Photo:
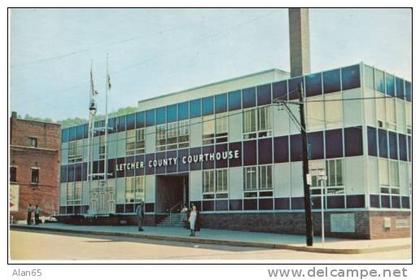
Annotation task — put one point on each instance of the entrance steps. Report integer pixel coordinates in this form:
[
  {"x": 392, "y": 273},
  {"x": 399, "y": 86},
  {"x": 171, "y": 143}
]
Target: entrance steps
[{"x": 172, "y": 221}]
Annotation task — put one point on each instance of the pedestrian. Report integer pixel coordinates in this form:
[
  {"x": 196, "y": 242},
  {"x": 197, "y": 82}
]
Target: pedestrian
[
  {"x": 29, "y": 217},
  {"x": 37, "y": 212},
  {"x": 194, "y": 221},
  {"x": 140, "y": 215},
  {"x": 184, "y": 216}
]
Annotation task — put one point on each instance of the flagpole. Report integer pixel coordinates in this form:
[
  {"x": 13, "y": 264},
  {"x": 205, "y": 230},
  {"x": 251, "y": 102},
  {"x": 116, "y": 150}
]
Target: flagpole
[{"x": 107, "y": 87}]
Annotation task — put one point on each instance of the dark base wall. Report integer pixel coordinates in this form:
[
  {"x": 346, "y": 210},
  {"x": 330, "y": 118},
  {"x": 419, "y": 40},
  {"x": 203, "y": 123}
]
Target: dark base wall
[{"x": 367, "y": 224}]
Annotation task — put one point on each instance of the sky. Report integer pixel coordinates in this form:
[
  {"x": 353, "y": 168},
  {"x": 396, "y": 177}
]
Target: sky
[{"x": 158, "y": 51}]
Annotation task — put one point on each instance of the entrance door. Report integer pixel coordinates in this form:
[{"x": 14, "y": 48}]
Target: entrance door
[
  {"x": 102, "y": 200},
  {"x": 171, "y": 192}
]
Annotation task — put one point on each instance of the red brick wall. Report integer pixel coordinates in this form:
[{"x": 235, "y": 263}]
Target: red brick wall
[
  {"x": 377, "y": 230},
  {"x": 45, "y": 193}
]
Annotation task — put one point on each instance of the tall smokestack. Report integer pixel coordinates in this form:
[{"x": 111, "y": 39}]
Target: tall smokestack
[{"x": 300, "y": 59}]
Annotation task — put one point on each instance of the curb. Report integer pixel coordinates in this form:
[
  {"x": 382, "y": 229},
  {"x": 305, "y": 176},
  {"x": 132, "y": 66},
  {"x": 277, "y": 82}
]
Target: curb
[{"x": 217, "y": 241}]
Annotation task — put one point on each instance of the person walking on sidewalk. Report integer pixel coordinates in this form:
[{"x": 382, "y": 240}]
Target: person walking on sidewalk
[
  {"x": 140, "y": 215},
  {"x": 194, "y": 221},
  {"x": 29, "y": 216},
  {"x": 184, "y": 216},
  {"x": 37, "y": 212}
]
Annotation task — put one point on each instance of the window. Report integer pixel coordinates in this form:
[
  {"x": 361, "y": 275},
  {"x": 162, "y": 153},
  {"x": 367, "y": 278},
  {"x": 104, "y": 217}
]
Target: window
[
  {"x": 208, "y": 184},
  {"x": 295, "y": 87},
  {"x": 34, "y": 176},
  {"x": 264, "y": 95},
  {"x": 135, "y": 142},
  {"x": 390, "y": 85},
  {"x": 195, "y": 108},
  {"x": 131, "y": 121},
  {"x": 379, "y": 81},
  {"x": 150, "y": 118},
  {"x": 171, "y": 113},
  {"x": 280, "y": 90},
  {"x": 353, "y": 141},
  {"x": 161, "y": 115},
  {"x": 263, "y": 187},
  {"x": 334, "y": 170},
  {"x": 221, "y": 103},
  {"x": 408, "y": 90},
  {"x": 171, "y": 136},
  {"x": 399, "y": 84},
  {"x": 101, "y": 147},
  {"x": 33, "y": 142},
  {"x": 215, "y": 184},
  {"x": 161, "y": 137},
  {"x": 183, "y": 113},
  {"x": 257, "y": 120},
  {"x": 221, "y": 127},
  {"x": 248, "y": 97},
  {"x": 75, "y": 153},
  {"x": 208, "y": 105},
  {"x": 368, "y": 75},
  {"x": 183, "y": 134},
  {"x": 13, "y": 174},
  {"x": 389, "y": 176},
  {"x": 77, "y": 198},
  {"x": 208, "y": 129},
  {"x": 372, "y": 141},
  {"x": 221, "y": 181},
  {"x": 134, "y": 189},
  {"x": 70, "y": 193}
]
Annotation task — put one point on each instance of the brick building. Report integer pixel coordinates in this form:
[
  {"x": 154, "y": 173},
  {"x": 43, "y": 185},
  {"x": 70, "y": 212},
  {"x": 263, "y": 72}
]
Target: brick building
[{"x": 34, "y": 163}]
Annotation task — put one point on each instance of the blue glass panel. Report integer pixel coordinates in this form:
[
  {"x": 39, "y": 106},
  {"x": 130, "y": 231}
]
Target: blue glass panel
[
  {"x": 379, "y": 81},
  {"x": 171, "y": 112},
  {"x": 183, "y": 112},
  {"x": 78, "y": 172},
  {"x": 298, "y": 203},
  {"x": 234, "y": 100},
  {"x": 150, "y": 117},
  {"x": 121, "y": 171},
  {"x": 131, "y": 121},
  {"x": 85, "y": 130},
  {"x": 281, "y": 149},
  {"x": 140, "y": 171},
  {"x": 208, "y": 205},
  {"x": 355, "y": 201},
  {"x": 235, "y": 204},
  {"x": 399, "y": 83},
  {"x": 111, "y": 125},
  {"x": 248, "y": 97},
  {"x": 280, "y": 90},
  {"x": 402, "y": 145},
  {"x": 222, "y": 205},
  {"x": 111, "y": 168},
  {"x": 385, "y": 203},
  {"x": 374, "y": 201},
  {"x": 250, "y": 204},
  {"x": 383, "y": 143},
  {"x": 351, "y": 77},
  {"x": 335, "y": 201},
  {"x": 80, "y": 131},
  {"x": 408, "y": 92},
  {"x": 393, "y": 151},
  {"x": 195, "y": 108},
  {"x": 64, "y": 135},
  {"x": 72, "y": 133},
  {"x": 264, "y": 94},
  {"x": 265, "y": 204},
  {"x": 294, "y": 87},
  {"x": 395, "y": 201},
  {"x": 250, "y": 152},
  {"x": 84, "y": 172},
  {"x": 70, "y": 173},
  {"x": 390, "y": 85},
  {"x": 195, "y": 163},
  {"x": 265, "y": 151},
  {"x": 353, "y": 141},
  {"x": 171, "y": 167},
  {"x": 122, "y": 124},
  {"x": 316, "y": 145},
  {"x": 160, "y": 168},
  {"x": 313, "y": 84},
  {"x": 182, "y": 167},
  {"x": 331, "y": 81},
  {"x": 334, "y": 143},
  {"x": 149, "y": 168},
  {"x": 296, "y": 147},
  {"x": 221, "y": 103},
  {"x": 208, "y": 105},
  {"x": 372, "y": 142},
  {"x": 140, "y": 119},
  {"x": 161, "y": 115}
]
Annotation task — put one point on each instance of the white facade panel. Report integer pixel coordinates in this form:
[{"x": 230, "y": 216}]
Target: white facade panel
[
  {"x": 195, "y": 185},
  {"x": 63, "y": 194},
  {"x": 112, "y": 146},
  {"x": 196, "y": 132},
  {"x": 235, "y": 126},
  {"x": 352, "y": 109},
  {"x": 281, "y": 179},
  {"x": 64, "y": 153},
  {"x": 150, "y": 139},
  {"x": 353, "y": 175},
  {"x": 236, "y": 185},
  {"x": 296, "y": 182},
  {"x": 150, "y": 195},
  {"x": 372, "y": 175},
  {"x": 403, "y": 176},
  {"x": 370, "y": 107},
  {"x": 281, "y": 123},
  {"x": 120, "y": 190}
]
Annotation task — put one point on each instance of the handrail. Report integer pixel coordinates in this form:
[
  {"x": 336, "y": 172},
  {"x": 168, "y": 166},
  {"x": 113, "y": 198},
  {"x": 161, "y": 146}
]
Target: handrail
[{"x": 171, "y": 210}]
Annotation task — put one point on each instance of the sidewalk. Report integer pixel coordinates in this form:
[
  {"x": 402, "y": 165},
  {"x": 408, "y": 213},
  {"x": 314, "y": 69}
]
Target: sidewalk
[{"x": 231, "y": 238}]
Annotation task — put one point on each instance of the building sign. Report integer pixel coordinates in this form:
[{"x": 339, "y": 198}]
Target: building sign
[
  {"x": 342, "y": 222},
  {"x": 14, "y": 198},
  {"x": 186, "y": 159}
]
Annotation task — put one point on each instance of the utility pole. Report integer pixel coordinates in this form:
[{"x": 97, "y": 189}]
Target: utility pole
[{"x": 305, "y": 169}]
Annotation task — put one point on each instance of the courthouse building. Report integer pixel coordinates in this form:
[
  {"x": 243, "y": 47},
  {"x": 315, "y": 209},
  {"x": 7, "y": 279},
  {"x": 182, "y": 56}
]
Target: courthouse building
[{"x": 232, "y": 149}]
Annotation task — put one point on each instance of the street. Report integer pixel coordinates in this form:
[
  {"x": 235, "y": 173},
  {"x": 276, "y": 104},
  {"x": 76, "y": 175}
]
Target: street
[{"x": 26, "y": 245}]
